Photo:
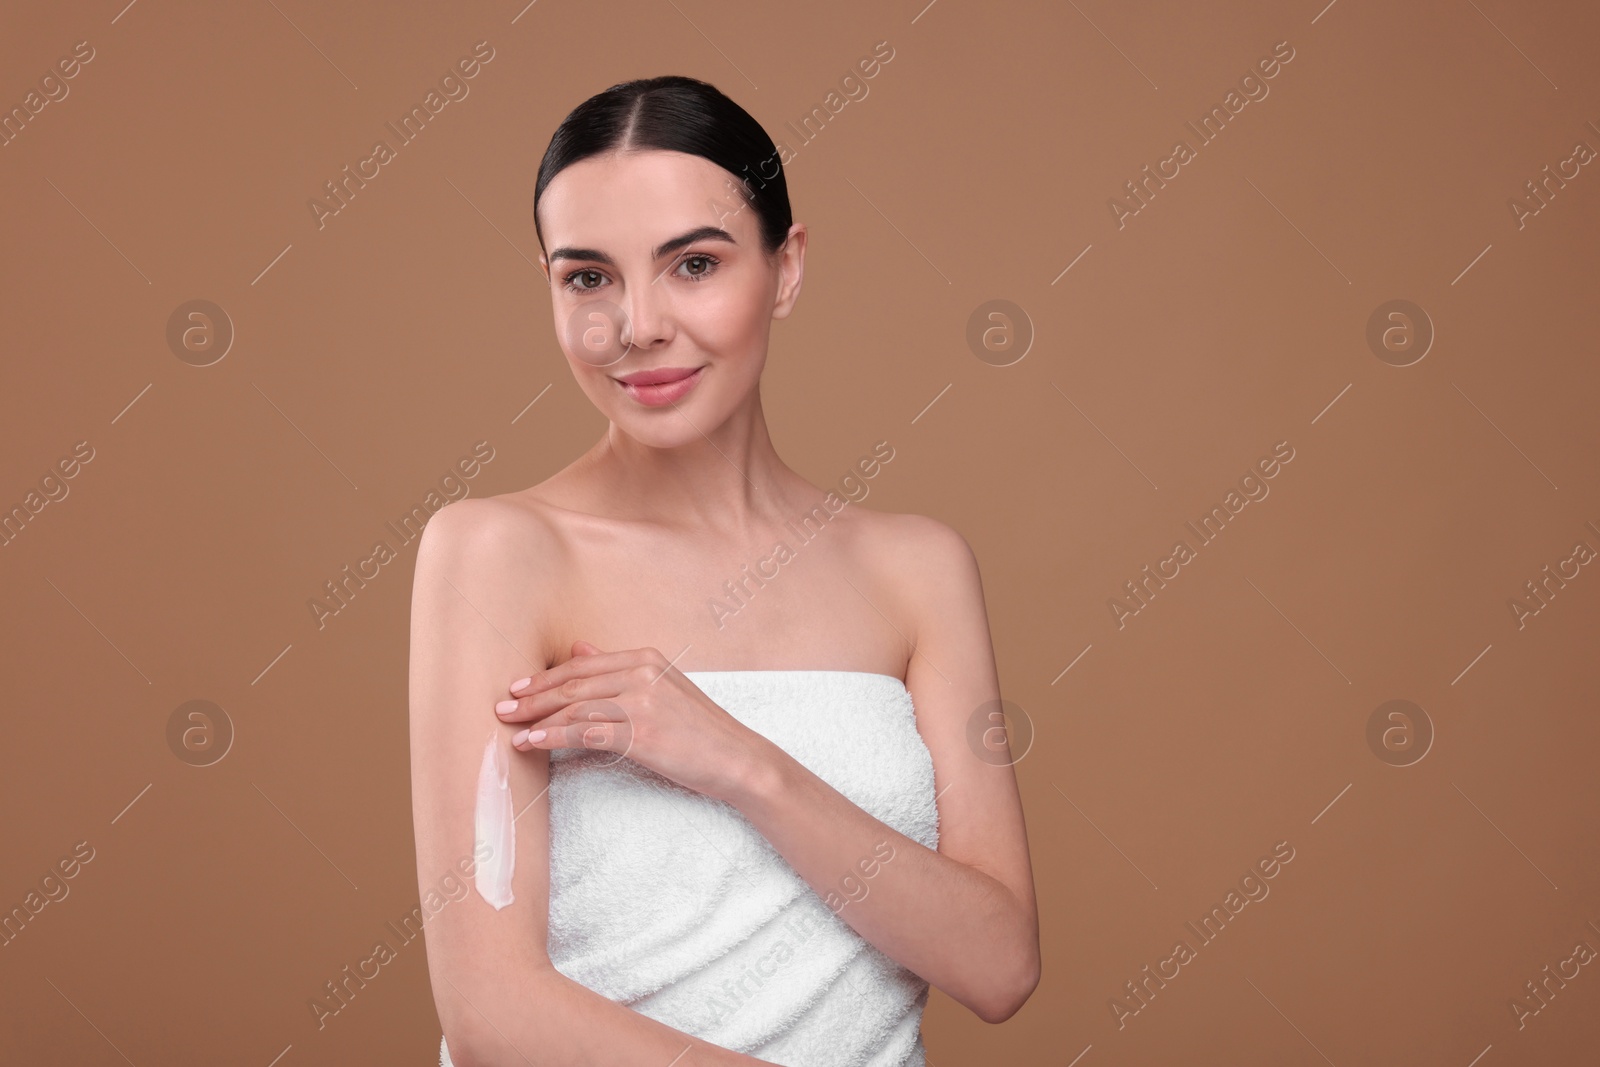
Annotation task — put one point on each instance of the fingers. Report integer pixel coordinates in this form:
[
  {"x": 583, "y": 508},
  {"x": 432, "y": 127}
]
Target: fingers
[
  {"x": 578, "y": 712},
  {"x": 545, "y": 702},
  {"x": 609, "y": 736},
  {"x": 588, "y": 665}
]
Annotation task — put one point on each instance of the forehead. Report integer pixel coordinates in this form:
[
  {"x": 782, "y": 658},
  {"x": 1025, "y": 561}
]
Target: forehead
[{"x": 634, "y": 200}]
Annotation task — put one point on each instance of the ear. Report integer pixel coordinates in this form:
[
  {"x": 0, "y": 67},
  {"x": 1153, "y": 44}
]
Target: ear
[
  {"x": 791, "y": 270},
  {"x": 544, "y": 267}
]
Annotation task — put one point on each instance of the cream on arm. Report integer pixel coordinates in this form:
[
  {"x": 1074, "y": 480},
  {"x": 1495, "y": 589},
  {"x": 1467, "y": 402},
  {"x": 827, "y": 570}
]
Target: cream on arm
[{"x": 474, "y": 629}]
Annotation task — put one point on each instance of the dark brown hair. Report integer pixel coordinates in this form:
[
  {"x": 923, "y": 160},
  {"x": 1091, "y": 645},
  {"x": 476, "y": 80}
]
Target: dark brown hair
[{"x": 676, "y": 114}]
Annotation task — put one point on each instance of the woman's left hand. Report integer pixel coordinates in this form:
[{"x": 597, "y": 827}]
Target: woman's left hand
[{"x": 636, "y": 704}]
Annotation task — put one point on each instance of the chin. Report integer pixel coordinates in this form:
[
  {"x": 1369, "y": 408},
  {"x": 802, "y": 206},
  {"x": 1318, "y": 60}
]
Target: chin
[
  {"x": 666, "y": 431},
  {"x": 663, "y": 439}
]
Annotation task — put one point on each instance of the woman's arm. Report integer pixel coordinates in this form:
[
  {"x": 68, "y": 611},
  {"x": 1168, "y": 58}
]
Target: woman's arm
[
  {"x": 499, "y": 999},
  {"x": 964, "y": 917}
]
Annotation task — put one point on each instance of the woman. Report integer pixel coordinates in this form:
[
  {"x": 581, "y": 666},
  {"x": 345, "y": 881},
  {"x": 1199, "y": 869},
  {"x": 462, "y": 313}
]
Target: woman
[{"x": 749, "y": 824}]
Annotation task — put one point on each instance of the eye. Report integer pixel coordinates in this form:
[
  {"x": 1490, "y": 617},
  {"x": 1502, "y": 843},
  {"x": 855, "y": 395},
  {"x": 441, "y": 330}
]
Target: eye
[
  {"x": 701, "y": 265},
  {"x": 585, "y": 275}
]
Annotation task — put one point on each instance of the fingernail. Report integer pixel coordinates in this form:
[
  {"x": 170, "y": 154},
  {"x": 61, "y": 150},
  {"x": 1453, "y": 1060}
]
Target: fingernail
[
  {"x": 506, "y": 706},
  {"x": 519, "y": 684},
  {"x": 536, "y": 735},
  {"x": 519, "y": 737}
]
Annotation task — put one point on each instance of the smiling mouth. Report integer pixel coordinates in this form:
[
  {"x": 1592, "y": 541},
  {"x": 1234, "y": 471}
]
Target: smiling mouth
[
  {"x": 658, "y": 388},
  {"x": 658, "y": 376}
]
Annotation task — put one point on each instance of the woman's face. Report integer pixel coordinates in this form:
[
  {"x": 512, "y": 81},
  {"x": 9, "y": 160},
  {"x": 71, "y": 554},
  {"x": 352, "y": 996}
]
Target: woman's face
[{"x": 656, "y": 267}]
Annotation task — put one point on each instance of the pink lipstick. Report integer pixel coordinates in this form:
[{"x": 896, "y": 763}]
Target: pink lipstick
[{"x": 662, "y": 386}]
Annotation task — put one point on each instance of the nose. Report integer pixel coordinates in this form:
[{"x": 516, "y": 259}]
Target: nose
[{"x": 647, "y": 316}]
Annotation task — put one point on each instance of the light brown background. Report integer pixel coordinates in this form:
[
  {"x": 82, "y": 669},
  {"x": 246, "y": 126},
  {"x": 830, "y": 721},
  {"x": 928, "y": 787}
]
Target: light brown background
[{"x": 1229, "y": 315}]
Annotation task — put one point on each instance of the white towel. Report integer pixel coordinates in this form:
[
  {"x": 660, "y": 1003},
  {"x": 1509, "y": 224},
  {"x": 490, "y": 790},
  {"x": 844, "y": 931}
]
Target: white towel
[{"x": 674, "y": 904}]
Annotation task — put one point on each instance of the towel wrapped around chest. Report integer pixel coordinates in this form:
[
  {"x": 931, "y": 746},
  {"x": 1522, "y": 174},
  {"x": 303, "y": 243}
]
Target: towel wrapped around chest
[{"x": 673, "y": 904}]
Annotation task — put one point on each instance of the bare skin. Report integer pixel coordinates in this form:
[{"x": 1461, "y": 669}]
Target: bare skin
[{"x": 592, "y": 589}]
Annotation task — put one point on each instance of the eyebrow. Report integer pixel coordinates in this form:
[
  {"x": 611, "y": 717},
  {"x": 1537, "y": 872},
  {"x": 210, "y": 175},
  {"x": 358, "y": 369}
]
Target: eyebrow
[{"x": 703, "y": 233}]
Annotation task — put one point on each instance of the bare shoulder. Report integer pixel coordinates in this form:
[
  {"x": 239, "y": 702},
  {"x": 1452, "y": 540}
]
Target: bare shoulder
[
  {"x": 915, "y": 547},
  {"x": 926, "y": 568},
  {"x": 493, "y": 558},
  {"x": 494, "y": 531}
]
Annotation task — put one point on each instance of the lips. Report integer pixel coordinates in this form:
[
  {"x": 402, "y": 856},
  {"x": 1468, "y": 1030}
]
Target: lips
[
  {"x": 662, "y": 386},
  {"x": 659, "y": 376}
]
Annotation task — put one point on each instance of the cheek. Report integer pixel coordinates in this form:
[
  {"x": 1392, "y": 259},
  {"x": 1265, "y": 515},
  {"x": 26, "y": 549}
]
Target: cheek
[
  {"x": 734, "y": 324},
  {"x": 596, "y": 385},
  {"x": 589, "y": 331}
]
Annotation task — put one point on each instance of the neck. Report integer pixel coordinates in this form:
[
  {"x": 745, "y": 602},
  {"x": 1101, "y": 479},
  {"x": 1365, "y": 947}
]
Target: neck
[{"x": 726, "y": 478}]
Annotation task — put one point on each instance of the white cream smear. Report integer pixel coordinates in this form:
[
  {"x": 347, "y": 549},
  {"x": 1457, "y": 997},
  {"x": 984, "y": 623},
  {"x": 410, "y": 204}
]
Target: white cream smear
[{"x": 494, "y": 826}]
